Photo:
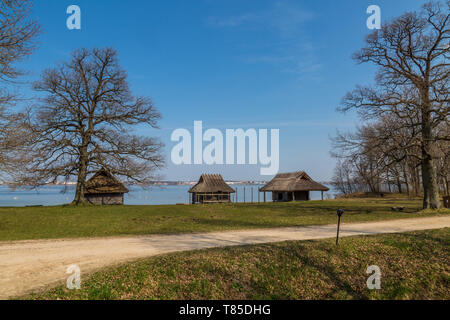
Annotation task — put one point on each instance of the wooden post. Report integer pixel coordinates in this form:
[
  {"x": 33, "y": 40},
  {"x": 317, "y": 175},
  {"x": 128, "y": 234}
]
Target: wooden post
[
  {"x": 338, "y": 227},
  {"x": 322, "y": 195},
  {"x": 259, "y": 194},
  {"x": 244, "y": 194},
  {"x": 293, "y": 196},
  {"x": 264, "y": 197}
]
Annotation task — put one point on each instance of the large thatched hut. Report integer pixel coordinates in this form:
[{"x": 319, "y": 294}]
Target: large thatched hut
[
  {"x": 211, "y": 188},
  {"x": 294, "y": 186},
  {"x": 104, "y": 189}
]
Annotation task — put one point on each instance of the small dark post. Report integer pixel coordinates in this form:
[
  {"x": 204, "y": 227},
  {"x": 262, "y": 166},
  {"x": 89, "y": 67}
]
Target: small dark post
[
  {"x": 252, "y": 194},
  {"x": 340, "y": 212},
  {"x": 447, "y": 202}
]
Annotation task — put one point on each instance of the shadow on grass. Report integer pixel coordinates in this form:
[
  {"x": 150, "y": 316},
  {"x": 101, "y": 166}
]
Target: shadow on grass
[{"x": 329, "y": 271}]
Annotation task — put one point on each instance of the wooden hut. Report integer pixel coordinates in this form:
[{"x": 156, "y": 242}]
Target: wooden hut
[
  {"x": 104, "y": 189},
  {"x": 294, "y": 186},
  {"x": 211, "y": 188}
]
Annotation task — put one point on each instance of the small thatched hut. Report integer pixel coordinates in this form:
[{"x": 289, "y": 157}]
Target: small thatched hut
[
  {"x": 104, "y": 189},
  {"x": 294, "y": 186},
  {"x": 211, "y": 188}
]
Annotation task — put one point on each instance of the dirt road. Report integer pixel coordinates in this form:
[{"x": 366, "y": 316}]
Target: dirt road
[{"x": 32, "y": 265}]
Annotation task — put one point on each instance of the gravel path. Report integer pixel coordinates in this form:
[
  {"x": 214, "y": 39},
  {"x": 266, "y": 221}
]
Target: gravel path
[{"x": 32, "y": 265}]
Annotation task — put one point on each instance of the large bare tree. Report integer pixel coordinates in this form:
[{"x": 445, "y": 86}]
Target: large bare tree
[
  {"x": 17, "y": 40},
  {"x": 84, "y": 122},
  {"x": 412, "y": 56}
]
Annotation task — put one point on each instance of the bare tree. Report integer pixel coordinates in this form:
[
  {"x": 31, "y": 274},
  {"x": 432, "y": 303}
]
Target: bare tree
[
  {"x": 343, "y": 179},
  {"x": 412, "y": 54},
  {"x": 17, "y": 41},
  {"x": 85, "y": 123},
  {"x": 384, "y": 154}
]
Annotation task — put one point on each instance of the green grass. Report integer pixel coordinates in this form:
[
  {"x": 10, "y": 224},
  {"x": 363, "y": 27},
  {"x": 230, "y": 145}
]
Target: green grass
[
  {"x": 91, "y": 221},
  {"x": 413, "y": 266}
]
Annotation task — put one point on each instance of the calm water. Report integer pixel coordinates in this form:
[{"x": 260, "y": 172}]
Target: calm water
[{"x": 52, "y": 195}]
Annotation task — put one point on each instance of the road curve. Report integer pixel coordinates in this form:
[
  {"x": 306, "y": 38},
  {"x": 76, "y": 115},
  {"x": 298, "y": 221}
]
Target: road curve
[{"x": 27, "y": 266}]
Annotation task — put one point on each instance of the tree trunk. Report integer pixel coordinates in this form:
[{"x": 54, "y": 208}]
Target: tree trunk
[
  {"x": 431, "y": 199},
  {"x": 405, "y": 175},
  {"x": 399, "y": 182},
  {"x": 388, "y": 181},
  {"x": 417, "y": 181},
  {"x": 447, "y": 186},
  {"x": 81, "y": 182},
  {"x": 414, "y": 180}
]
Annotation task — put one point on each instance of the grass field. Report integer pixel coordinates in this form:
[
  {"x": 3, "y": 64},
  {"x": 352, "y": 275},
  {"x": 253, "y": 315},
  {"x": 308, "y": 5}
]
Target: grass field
[
  {"x": 413, "y": 266},
  {"x": 90, "y": 221}
]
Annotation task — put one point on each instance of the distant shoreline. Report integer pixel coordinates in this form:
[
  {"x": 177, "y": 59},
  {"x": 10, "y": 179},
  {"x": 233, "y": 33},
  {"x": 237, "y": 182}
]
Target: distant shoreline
[
  {"x": 163, "y": 183},
  {"x": 159, "y": 183}
]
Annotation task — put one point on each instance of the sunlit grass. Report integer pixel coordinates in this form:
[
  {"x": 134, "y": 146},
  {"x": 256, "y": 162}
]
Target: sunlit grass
[{"x": 92, "y": 221}]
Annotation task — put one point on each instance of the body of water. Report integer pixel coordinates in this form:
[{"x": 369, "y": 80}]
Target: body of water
[{"x": 54, "y": 195}]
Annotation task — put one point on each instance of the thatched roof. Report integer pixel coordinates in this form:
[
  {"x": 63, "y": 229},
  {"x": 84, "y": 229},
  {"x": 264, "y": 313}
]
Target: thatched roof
[
  {"x": 211, "y": 183},
  {"x": 294, "y": 181},
  {"x": 104, "y": 182}
]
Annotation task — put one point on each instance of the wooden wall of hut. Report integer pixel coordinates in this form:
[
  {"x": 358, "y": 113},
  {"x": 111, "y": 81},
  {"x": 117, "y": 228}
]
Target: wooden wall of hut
[{"x": 105, "y": 199}]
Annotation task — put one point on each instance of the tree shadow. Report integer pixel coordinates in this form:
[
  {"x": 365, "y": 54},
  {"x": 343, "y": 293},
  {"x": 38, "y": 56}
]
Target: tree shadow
[{"x": 329, "y": 272}]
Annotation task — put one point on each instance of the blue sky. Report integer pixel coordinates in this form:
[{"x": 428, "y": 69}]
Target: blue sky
[{"x": 232, "y": 64}]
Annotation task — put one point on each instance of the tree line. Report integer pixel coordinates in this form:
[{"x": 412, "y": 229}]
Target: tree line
[{"x": 404, "y": 143}]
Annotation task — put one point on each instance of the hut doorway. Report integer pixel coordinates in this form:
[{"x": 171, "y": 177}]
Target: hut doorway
[{"x": 302, "y": 196}]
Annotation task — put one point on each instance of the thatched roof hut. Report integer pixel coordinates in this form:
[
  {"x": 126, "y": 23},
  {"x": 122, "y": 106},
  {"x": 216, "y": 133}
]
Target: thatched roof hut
[
  {"x": 104, "y": 189},
  {"x": 211, "y": 188},
  {"x": 293, "y": 186}
]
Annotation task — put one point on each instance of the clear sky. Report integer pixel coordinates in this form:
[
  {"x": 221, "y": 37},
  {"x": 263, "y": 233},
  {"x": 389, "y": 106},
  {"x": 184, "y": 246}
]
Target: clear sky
[{"x": 230, "y": 63}]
